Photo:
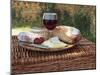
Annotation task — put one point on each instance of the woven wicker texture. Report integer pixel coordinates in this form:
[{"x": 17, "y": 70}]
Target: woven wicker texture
[{"x": 82, "y": 56}]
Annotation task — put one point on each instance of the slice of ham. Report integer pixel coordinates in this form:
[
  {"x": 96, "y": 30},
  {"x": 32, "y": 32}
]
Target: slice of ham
[{"x": 30, "y": 37}]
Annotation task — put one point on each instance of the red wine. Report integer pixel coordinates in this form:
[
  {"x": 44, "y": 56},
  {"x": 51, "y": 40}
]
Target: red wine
[{"x": 50, "y": 24}]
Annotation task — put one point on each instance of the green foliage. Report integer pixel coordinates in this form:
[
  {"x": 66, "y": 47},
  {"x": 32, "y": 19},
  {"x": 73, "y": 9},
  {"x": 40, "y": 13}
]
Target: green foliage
[
  {"x": 66, "y": 19},
  {"x": 13, "y": 13},
  {"x": 82, "y": 22},
  {"x": 37, "y": 22},
  {"x": 51, "y": 7}
]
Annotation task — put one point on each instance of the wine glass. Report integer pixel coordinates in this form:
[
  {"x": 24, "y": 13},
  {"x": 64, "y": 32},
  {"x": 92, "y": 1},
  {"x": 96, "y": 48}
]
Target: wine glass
[{"x": 50, "y": 22}]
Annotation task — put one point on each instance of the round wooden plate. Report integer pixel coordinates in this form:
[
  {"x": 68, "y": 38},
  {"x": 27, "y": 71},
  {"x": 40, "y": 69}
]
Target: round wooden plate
[{"x": 35, "y": 47}]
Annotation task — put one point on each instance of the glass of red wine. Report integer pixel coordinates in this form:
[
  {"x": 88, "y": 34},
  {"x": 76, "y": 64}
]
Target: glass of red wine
[{"x": 50, "y": 21}]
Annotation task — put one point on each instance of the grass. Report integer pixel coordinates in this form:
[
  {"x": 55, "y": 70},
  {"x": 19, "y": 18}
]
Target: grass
[
  {"x": 16, "y": 31},
  {"x": 89, "y": 36}
]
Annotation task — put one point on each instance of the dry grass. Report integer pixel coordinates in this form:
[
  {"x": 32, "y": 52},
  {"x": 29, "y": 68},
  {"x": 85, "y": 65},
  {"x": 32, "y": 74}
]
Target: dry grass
[{"x": 16, "y": 31}]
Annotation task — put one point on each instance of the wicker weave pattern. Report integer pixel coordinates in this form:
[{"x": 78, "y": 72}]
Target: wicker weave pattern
[{"x": 81, "y": 56}]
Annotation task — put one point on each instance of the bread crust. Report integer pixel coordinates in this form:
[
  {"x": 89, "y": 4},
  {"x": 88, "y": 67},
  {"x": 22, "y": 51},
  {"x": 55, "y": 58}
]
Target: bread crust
[{"x": 65, "y": 34}]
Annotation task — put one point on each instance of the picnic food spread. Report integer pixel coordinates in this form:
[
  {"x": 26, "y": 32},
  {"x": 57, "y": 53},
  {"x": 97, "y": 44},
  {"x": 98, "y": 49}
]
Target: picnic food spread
[{"x": 61, "y": 37}]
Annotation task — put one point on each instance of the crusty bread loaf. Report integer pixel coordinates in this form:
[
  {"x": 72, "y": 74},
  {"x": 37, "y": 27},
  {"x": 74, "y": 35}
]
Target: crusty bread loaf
[{"x": 67, "y": 34}]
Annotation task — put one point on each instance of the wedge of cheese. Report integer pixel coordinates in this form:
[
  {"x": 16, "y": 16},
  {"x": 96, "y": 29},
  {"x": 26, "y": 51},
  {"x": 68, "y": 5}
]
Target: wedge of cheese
[{"x": 54, "y": 42}]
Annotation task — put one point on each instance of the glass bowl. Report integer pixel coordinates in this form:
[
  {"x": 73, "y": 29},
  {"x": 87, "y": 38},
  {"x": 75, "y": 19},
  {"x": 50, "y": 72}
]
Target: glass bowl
[{"x": 40, "y": 31}]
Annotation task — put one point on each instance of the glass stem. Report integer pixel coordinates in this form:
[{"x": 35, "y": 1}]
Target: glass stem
[{"x": 50, "y": 33}]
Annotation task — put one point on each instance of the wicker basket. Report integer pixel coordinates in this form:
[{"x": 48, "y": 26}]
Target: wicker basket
[{"x": 82, "y": 56}]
